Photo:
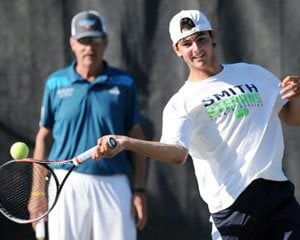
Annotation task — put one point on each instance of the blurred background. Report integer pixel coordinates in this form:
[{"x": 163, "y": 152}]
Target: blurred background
[{"x": 34, "y": 42}]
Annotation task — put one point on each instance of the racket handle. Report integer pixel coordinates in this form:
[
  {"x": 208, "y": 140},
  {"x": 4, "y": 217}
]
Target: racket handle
[
  {"x": 112, "y": 143},
  {"x": 83, "y": 156},
  {"x": 40, "y": 233}
]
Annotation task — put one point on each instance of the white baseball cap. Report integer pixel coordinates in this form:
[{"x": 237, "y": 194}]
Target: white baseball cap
[{"x": 198, "y": 18}]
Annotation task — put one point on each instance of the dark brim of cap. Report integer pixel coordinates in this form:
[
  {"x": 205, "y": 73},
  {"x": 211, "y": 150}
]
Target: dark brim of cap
[{"x": 89, "y": 34}]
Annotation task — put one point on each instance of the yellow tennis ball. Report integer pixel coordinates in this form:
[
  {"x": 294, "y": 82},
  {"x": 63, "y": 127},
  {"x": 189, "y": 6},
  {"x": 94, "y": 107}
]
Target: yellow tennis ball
[{"x": 19, "y": 150}]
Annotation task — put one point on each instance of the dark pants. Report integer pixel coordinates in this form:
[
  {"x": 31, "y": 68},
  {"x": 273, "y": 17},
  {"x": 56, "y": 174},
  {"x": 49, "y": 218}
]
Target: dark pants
[{"x": 265, "y": 210}]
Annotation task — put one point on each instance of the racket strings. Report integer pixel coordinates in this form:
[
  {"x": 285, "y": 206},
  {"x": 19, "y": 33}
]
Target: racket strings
[
  {"x": 22, "y": 189},
  {"x": 14, "y": 189}
]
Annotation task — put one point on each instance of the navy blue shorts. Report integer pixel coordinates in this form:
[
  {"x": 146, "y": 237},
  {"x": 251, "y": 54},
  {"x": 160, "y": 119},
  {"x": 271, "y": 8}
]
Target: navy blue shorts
[{"x": 266, "y": 210}]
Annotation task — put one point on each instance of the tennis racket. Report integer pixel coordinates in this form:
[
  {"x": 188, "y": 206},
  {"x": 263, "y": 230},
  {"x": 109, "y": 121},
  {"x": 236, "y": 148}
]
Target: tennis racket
[{"x": 29, "y": 188}]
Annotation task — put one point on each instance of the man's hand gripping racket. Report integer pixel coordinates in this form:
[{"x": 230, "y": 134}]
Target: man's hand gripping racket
[{"x": 29, "y": 189}]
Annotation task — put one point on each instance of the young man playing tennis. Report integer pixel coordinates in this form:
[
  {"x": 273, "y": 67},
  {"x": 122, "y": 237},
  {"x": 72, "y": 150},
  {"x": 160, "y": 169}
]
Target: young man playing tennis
[{"x": 227, "y": 117}]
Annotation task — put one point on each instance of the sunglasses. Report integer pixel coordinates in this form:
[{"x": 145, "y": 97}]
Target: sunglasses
[{"x": 90, "y": 40}]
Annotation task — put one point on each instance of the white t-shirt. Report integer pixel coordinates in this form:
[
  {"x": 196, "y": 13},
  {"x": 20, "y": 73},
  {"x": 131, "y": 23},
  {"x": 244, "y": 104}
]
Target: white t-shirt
[{"x": 229, "y": 123}]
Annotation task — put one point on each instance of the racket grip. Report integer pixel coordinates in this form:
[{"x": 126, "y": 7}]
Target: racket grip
[
  {"x": 40, "y": 233},
  {"x": 112, "y": 143},
  {"x": 83, "y": 156}
]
